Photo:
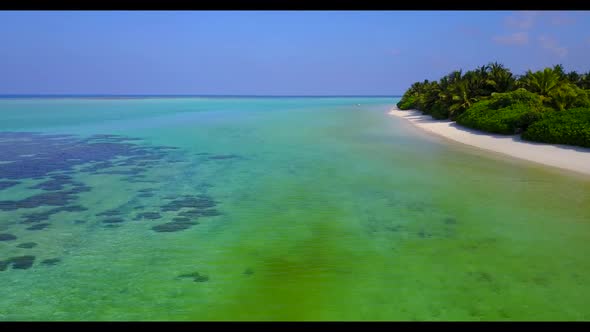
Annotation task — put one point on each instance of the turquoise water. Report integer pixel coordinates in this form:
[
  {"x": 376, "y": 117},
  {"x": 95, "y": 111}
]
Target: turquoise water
[{"x": 276, "y": 209}]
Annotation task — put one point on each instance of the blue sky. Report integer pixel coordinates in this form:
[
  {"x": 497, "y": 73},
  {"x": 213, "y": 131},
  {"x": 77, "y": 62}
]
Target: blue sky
[{"x": 274, "y": 52}]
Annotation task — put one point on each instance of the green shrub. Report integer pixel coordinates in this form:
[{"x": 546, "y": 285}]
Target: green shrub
[
  {"x": 520, "y": 96},
  {"x": 439, "y": 111},
  {"x": 568, "y": 96},
  {"x": 504, "y": 113},
  {"x": 567, "y": 127},
  {"x": 407, "y": 102}
]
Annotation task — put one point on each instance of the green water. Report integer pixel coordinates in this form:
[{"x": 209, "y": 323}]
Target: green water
[{"x": 332, "y": 211}]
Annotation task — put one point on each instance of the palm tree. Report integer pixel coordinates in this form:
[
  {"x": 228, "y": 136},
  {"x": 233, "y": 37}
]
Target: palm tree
[
  {"x": 567, "y": 96},
  {"x": 558, "y": 69},
  {"x": 464, "y": 94},
  {"x": 482, "y": 71},
  {"x": 443, "y": 84},
  {"x": 478, "y": 82},
  {"x": 455, "y": 76},
  {"x": 500, "y": 78},
  {"x": 456, "y": 92},
  {"x": 543, "y": 82},
  {"x": 429, "y": 96},
  {"x": 584, "y": 82},
  {"x": 574, "y": 77}
]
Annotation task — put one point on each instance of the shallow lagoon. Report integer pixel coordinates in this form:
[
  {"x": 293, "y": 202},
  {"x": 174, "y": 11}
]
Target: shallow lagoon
[{"x": 276, "y": 209}]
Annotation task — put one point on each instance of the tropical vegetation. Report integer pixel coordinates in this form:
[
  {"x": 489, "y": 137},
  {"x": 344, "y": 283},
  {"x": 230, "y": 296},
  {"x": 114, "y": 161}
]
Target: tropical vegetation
[{"x": 548, "y": 105}]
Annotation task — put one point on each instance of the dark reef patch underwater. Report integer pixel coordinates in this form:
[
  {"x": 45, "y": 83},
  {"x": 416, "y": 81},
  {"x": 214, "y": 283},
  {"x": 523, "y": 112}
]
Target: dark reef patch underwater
[{"x": 47, "y": 168}]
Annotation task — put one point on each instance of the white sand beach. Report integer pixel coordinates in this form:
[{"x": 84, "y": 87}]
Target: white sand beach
[{"x": 562, "y": 156}]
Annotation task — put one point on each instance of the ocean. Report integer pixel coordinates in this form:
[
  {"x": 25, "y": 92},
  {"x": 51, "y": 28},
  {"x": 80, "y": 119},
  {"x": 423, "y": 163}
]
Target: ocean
[{"x": 275, "y": 208}]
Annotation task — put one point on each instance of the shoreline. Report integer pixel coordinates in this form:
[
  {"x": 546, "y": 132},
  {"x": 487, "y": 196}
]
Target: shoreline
[{"x": 565, "y": 157}]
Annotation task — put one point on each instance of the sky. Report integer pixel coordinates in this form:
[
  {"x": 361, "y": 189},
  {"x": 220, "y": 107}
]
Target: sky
[{"x": 275, "y": 52}]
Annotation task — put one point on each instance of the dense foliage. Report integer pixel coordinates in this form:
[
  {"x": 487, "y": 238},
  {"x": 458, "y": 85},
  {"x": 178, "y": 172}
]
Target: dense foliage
[
  {"x": 504, "y": 113},
  {"x": 570, "y": 127},
  {"x": 492, "y": 98}
]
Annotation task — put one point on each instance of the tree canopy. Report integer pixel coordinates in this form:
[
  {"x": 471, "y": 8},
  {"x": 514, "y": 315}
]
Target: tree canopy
[{"x": 492, "y": 98}]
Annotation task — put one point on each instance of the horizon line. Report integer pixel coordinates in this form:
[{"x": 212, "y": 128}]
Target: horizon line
[{"x": 184, "y": 95}]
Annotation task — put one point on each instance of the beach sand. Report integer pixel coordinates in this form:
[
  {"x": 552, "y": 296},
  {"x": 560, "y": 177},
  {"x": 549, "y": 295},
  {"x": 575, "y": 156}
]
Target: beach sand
[{"x": 565, "y": 157}]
